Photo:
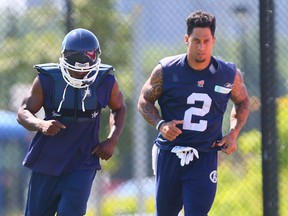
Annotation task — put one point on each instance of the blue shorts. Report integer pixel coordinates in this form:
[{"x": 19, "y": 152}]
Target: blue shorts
[
  {"x": 193, "y": 185},
  {"x": 66, "y": 194}
]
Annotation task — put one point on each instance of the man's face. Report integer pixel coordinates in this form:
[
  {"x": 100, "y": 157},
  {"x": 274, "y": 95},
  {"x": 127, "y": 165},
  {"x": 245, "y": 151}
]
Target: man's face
[
  {"x": 77, "y": 75},
  {"x": 199, "y": 45}
]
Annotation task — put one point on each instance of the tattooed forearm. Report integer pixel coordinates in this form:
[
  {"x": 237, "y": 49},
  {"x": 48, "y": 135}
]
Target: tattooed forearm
[
  {"x": 241, "y": 115},
  {"x": 150, "y": 93},
  {"x": 153, "y": 89},
  {"x": 240, "y": 98},
  {"x": 150, "y": 113}
]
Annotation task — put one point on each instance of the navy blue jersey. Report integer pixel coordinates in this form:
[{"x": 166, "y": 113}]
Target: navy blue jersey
[
  {"x": 71, "y": 148},
  {"x": 198, "y": 97}
]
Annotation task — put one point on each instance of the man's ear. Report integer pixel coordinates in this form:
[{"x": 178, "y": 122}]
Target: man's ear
[
  {"x": 214, "y": 39},
  {"x": 186, "y": 38}
]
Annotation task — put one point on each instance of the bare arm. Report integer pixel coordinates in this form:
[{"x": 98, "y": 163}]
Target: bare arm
[
  {"x": 239, "y": 113},
  {"x": 150, "y": 93},
  {"x": 117, "y": 113},
  {"x": 31, "y": 104},
  {"x": 117, "y": 118}
]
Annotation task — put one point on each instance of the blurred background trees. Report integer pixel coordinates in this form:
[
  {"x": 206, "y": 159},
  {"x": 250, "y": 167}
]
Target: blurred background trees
[{"x": 134, "y": 36}]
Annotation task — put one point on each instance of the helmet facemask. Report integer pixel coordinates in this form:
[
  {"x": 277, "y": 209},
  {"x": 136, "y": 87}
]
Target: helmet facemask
[{"x": 92, "y": 72}]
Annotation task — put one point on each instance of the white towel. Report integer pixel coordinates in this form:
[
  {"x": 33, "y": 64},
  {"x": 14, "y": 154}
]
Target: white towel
[
  {"x": 186, "y": 154},
  {"x": 155, "y": 152}
]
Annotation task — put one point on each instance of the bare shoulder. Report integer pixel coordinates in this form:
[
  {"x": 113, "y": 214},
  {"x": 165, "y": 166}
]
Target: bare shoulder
[
  {"x": 238, "y": 81},
  {"x": 37, "y": 84},
  {"x": 156, "y": 75},
  {"x": 152, "y": 89},
  {"x": 117, "y": 98},
  {"x": 35, "y": 89},
  {"x": 34, "y": 99},
  {"x": 239, "y": 91},
  {"x": 116, "y": 88}
]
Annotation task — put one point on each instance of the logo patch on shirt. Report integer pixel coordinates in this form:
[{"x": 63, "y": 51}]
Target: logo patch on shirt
[
  {"x": 200, "y": 83},
  {"x": 94, "y": 114},
  {"x": 213, "y": 176},
  {"x": 228, "y": 85},
  {"x": 224, "y": 89}
]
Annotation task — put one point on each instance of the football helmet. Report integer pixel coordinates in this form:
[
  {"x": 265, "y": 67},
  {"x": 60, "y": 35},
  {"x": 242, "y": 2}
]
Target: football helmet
[{"x": 80, "y": 53}]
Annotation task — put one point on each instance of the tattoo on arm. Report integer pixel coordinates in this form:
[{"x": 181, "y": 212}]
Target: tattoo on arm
[
  {"x": 241, "y": 100},
  {"x": 242, "y": 112},
  {"x": 150, "y": 93}
]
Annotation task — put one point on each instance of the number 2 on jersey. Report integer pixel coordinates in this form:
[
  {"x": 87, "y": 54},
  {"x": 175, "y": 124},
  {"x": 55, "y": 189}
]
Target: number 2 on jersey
[{"x": 202, "y": 124}]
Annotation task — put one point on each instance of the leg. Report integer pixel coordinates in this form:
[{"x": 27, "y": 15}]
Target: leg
[
  {"x": 76, "y": 188},
  {"x": 168, "y": 185},
  {"x": 42, "y": 199},
  {"x": 199, "y": 187}
]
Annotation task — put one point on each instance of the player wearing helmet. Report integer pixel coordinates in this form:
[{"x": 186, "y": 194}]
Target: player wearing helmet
[
  {"x": 80, "y": 53},
  {"x": 64, "y": 154}
]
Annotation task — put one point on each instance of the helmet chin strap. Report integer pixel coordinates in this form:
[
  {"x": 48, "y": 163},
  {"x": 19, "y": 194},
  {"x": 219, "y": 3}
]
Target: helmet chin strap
[
  {"x": 63, "y": 98},
  {"x": 82, "y": 101}
]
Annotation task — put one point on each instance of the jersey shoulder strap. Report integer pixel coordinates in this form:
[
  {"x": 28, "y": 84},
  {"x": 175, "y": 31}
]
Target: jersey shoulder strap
[
  {"x": 54, "y": 70},
  {"x": 54, "y": 67},
  {"x": 47, "y": 68},
  {"x": 104, "y": 69}
]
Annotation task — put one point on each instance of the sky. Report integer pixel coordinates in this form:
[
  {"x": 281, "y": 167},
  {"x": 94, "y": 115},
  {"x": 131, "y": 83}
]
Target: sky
[{"x": 17, "y": 5}]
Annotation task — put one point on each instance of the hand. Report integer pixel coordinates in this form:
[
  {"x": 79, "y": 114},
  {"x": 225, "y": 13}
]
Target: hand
[
  {"x": 169, "y": 130},
  {"x": 104, "y": 150},
  {"x": 51, "y": 127},
  {"x": 228, "y": 144}
]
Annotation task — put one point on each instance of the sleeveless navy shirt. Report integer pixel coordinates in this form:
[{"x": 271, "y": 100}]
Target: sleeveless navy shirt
[
  {"x": 198, "y": 97},
  {"x": 71, "y": 148}
]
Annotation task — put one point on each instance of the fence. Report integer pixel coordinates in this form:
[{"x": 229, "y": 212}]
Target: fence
[{"x": 134, "y": 35}]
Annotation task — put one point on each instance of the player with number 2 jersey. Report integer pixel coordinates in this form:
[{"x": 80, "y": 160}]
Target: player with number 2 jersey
[{"x": 192, "y": 91}]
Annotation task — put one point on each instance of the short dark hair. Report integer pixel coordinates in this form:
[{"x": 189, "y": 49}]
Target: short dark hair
[{"x": 200, "y": 19}]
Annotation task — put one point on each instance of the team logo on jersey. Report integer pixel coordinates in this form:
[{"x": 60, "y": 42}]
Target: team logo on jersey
[
  {"x": 94, "y": 114},
  {"x": 228, "y": 85},
  {"x": 213, "y": 176},
  {"x": 200, "y": 83}
]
